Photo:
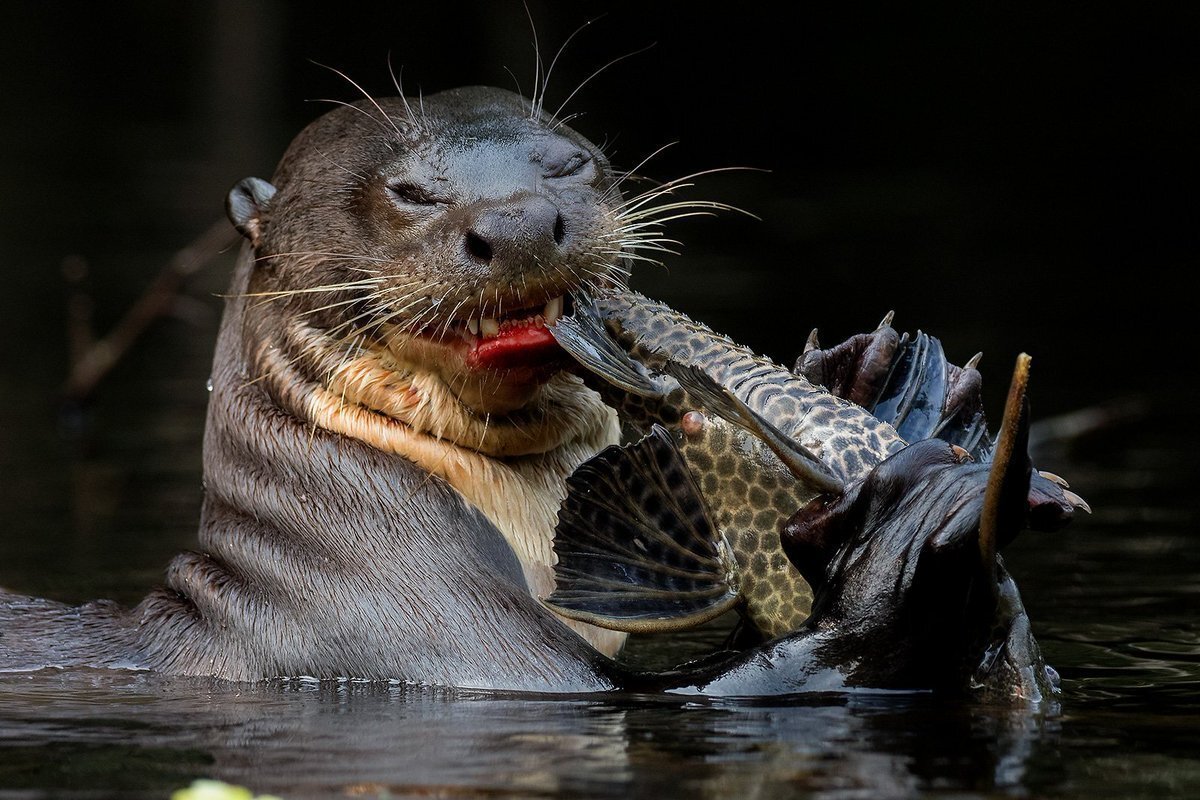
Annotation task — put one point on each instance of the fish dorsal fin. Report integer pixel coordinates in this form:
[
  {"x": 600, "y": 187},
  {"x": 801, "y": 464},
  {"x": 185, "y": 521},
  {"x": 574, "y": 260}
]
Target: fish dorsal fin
[
  {"x": 720, "y": 401},
  {"x": 585, "y": 338},
  {"x": 637, "y": 548}
]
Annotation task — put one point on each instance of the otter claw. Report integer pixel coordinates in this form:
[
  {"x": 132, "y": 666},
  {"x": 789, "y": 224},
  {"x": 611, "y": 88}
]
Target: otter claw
[
  {"x": 886, "y": 322},
  {"x": 1057, "y": 479},
  {"x": 812, "y": 343},
  {"x": 1077, "y": 501},
  {"x": 974, "y": 362}
]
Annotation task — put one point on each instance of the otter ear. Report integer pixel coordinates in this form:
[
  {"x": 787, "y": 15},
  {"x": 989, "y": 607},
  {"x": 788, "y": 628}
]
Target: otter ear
[{"x": 246, "y": 206}]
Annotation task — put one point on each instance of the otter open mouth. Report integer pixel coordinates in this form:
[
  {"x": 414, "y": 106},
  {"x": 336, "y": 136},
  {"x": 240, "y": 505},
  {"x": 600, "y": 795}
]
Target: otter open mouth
[{"x": 516, "y": 340}]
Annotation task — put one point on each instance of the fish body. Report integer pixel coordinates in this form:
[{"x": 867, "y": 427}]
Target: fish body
[
  {"x": 675, "y": 529},
  {"x": 842, "y": 434},
  {"x": 731, "y": 444},
  {"x": 911, "y": 592}
]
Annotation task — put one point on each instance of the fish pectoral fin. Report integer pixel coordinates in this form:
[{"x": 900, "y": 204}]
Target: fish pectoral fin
[
  {"x": 637, "y": 548},
  {"x": 585, "y": 339},
  {"x": 716, "y": 399}
]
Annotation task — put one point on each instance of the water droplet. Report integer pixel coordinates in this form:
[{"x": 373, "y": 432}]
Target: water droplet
[
  {"x": 208, "y": 384},
  {"x": 303, "y": 498}
]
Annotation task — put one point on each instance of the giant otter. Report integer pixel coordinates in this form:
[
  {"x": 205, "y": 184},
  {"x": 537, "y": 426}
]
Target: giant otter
[{"x": 390, "y": 428}]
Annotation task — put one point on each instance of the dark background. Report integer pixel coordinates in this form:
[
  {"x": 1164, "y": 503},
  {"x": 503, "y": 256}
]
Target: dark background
[
  {"x": 1023, "y": 174},
  {"x": 1010, "y": 177}
]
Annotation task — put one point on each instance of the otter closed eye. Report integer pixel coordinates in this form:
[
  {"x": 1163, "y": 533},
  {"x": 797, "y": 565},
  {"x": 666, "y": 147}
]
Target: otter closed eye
[
  {"x": 572, "y": 167},
  {"x": 410, "y": 194}
]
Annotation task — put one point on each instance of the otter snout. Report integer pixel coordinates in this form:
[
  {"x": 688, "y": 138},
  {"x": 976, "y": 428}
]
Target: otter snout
[{"x": 523, "y": 227}]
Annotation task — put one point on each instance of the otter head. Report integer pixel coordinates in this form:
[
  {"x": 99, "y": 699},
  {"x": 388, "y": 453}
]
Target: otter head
[{"x": 412, "y": 253}]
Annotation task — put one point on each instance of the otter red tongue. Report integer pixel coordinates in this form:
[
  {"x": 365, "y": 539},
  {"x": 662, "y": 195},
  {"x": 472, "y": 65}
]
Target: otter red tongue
[{"x": 515, "y": 347}]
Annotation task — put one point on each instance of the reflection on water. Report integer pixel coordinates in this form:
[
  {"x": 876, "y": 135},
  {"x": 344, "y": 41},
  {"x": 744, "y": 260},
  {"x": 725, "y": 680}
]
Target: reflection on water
[{"x": 142, "y": 732}]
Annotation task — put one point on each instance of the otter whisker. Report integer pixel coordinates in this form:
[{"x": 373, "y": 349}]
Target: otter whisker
[
  {"x": 630, "y": 250},
  {"x": 357, "y": 176},
  {"x": 660, "y": 244},
  {"x": 644, "y": 209},
  {"x": 359, "y": 109},
  {"x": 644, "y": 259},
  {"x": 570, "y": 117},
  {"x": 608, "y": 272},
  {"x": 646, "y": 215},
  {"x": 328, "y": 287},
  {"x": 328, "y": 306},
  {"x": 588, "y": 79},
  {"x": 535, "y": 109},
  {"x": 269, "y": 298},
  {"x": 334, "y": 304},
  {"x": 653, "y": 236},
  {"x": 373, "y": 101},
  {"x": 516, "y": 81},
  {"x": 451, "y": 317},
  {"x": 631, "y": 174},
  {"x": 375, "y": 310},
  {"x": 625, "y": 208},
  {"x": 397, "y": 81},
  {"x": 487, "y": 421},
  {"x": 304, "y": 253},
  {"x": 550, "y": 71},
  {"x": 693, "y": 175},
  {"x": 650, "y": 233}
]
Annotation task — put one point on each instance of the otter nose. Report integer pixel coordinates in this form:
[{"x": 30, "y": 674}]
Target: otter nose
[{"x": 521, "y": 226}]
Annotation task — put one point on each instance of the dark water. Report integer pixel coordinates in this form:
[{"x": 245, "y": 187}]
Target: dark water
[{"x": 1002, "y": 178}]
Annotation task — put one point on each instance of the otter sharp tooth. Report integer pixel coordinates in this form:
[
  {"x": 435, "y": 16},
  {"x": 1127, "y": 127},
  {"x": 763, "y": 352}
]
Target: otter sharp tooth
[
  {"x": 473, "y": 326},
  {"x": 553, "y": 310},
  {"x": 489, "y": 327}
]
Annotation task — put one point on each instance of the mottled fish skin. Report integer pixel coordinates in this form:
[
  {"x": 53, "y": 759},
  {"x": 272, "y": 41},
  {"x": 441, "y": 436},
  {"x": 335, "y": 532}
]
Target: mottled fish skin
[
  {"x": 749, "y": 491},
  {"x": 750, "y": 494},
  {"x": 844, "y": 436}
]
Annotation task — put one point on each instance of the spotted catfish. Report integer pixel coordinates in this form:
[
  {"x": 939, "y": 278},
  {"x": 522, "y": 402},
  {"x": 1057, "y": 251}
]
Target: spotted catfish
[{"x": 683, "y": 523}]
